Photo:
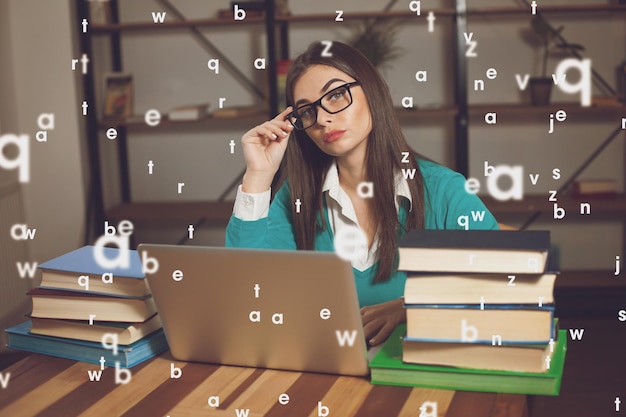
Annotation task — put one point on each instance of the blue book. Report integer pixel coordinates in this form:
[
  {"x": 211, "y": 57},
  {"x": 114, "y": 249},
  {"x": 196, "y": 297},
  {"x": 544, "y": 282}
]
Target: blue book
[
  {"x": 487, "y": 324},
  {"x": 80, "y": 270},
  {"x": 128, "y": 356}
]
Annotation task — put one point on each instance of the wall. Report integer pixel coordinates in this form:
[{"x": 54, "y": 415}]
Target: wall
[
  {"x": 170, "y": 69},
  {"x": 36, "y": 48},
  {"x": 42, "y": 34}
]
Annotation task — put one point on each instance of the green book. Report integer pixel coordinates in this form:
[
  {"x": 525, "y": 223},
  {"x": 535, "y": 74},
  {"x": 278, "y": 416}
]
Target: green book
[{"x": 387, "y": 368}]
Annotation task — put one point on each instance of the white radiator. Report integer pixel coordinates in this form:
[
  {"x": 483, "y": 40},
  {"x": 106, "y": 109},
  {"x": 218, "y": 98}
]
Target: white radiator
[{"x": 13, "y": 301}]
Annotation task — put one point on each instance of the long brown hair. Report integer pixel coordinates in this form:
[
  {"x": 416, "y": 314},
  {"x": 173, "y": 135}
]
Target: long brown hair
[{"x": 305, "y": 165}]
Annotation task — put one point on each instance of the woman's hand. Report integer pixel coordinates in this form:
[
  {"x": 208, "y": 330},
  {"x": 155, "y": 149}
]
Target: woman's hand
[
  {"x": 380, "y": 320},
  {"x": 263, "y": 148}
]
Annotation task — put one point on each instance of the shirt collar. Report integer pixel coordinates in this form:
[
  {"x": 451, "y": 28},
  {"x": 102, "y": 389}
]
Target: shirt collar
[{"x": 331, "y": 185}]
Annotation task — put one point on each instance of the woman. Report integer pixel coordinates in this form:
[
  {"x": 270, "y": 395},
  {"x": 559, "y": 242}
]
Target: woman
[{"x": 347, "y": 168}]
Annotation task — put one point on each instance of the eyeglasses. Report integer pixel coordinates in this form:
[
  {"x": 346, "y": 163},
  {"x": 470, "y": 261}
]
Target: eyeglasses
[{"x": 336, "y": 100}]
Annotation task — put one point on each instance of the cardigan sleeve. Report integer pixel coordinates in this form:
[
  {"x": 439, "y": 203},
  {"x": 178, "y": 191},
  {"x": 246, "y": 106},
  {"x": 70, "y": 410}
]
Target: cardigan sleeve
[
  {"x": 448, "y": 204},
  {"x": 272, "y": 232}
]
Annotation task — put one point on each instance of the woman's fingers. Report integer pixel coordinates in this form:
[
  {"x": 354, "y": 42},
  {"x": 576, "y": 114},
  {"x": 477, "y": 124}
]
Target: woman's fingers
[
  {"x": 274, "y": 129},
  {"x": 282, "y": 115}
]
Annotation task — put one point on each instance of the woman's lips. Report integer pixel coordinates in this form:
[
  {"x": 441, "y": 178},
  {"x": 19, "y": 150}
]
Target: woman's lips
[{"x": 333, "y": 135}]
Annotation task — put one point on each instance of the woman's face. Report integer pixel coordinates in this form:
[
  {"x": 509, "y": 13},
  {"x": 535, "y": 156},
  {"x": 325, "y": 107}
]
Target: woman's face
[{"x": 343, "y": 133}]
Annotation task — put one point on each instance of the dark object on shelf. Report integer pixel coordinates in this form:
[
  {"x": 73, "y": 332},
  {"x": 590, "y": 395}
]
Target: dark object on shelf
[
  {"x": 377, "y": 42},
  {"x": 621, "y": 80},
  {"x": 247, "y": 5},
  {"x": 99, "y": 12},
  {"x": 281, "y": 8},
  {"x": 376, "y": 39},
  {"x": 540, "y": 90},
  {"x": 229, "y": 14},
  {"x": 543, "y": 37}
]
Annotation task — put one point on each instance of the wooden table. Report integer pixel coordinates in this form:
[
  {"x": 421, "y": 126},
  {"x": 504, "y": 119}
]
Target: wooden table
[{"x": 42, "y": 385}]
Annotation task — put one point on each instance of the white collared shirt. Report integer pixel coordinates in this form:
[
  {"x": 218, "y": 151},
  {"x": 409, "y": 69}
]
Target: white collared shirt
[{"x": 341, "y": 211}]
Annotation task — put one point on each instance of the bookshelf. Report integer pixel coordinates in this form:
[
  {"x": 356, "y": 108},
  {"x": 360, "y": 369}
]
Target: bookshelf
[{"x": 277, "y": 29}]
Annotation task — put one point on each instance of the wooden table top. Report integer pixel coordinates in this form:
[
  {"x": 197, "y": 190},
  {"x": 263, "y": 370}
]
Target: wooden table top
[{"x": 42, "y": 385}]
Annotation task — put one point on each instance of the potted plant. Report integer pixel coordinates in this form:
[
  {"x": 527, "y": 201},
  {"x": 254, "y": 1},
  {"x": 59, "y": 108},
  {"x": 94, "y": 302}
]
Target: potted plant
[
  {"x": 376, "y": 37},
  {"x": 547, "y": 42},
  {"x": 376, "y": 40}
]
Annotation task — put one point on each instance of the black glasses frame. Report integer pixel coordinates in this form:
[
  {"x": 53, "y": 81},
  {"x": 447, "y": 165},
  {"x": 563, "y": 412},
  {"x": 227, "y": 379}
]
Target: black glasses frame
[{"x": 318, "y": 103}]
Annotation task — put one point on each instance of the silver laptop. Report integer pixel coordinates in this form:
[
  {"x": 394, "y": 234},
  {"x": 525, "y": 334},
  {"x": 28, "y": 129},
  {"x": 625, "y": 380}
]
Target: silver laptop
[{"x": 293, "y": 310}]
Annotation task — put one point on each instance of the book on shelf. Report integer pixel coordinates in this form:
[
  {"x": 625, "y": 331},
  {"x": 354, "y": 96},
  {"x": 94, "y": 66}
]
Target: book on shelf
[
  {"x": 236, "y": 111},
  {"x": 474, "y": 251},
  {"x": 598, "y": 188},
  {"x": 509, "y": 323},
  {"x": 187, "y": 113},
  {"x": 20, "y": 337},
  {"x": 63, "y": 304},
  {"x": 127, "y": 333},
  {"x": 78, "y": 270},
  {"x": 470, "y": 288},
  {"x": 610, "y": 101},
  {"x": 118, "y": 95},
  {"x": 387, "y": 368}
]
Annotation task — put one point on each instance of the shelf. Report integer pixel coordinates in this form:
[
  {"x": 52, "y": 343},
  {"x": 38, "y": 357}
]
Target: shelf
[
  {"x": 221, "y": 211},
  {"x": 491, "y": 11},
  {"x": 404, "y": 115},
  {"x": 601, "y": 208},
  {"x": 589, "y": 279},
  {"x": 348, "y": 16},
  {"x": 571, "y": 108},
  {"x": 216, "y": 213},
  {"x": 168, "y": 25},
  {"x": 408, "y": 115},
  {"x": 138, "y": 123},
  {"x": 586, "y": 294},
  {"x": 486, "y": 11}
]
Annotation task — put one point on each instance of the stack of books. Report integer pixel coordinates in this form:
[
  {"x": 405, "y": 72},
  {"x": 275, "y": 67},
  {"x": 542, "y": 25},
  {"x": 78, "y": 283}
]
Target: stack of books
[
  {"x": 79, "y": 302},
  {"x": 479, "y": 314}
]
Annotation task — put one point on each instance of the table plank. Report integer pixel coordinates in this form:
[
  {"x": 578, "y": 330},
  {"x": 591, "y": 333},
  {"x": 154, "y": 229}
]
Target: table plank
[
  {"x": 263, "y": 394},
  {"x": 466, "y": 403},
  {"x": 31, "y": 403},
  {"x": 226, "y": 383},
  {"x": 124, "y": 397},
  {"x": 304, "y": 394},
  {"x": 345, "y": 396},
  {"x": 44, "y": 386},
  {"x": 416, "y": 399},
  {"x": 510, "y": 405},
  {"x": 384, "y": 400},
  {"x": 172, "y": 391},
  {"x": 29, "y": 373}
]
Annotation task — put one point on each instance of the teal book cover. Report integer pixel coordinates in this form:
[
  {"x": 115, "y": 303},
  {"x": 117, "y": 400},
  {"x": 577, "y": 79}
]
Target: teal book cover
[{"x": 127, "y": 355}]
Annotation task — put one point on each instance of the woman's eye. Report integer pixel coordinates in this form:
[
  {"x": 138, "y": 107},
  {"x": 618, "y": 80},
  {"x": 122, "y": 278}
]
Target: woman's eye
[
  {"x": 336, "y": 95},
  {"x": 308, "y": 112}
]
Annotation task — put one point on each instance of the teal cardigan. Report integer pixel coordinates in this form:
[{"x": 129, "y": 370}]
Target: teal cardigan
[{"x": 445, "y": 199}]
